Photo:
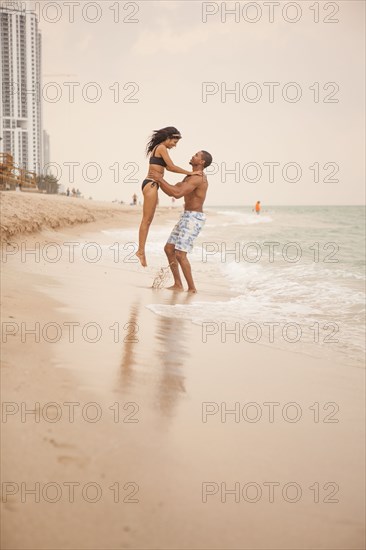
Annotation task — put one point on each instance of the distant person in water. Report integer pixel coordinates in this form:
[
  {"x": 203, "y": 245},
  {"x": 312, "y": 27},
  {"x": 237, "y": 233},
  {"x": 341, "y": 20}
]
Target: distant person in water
[
  {"x": 191, "y": 221},
  {"x": 258, "y": 207},
  {"x": 158, "y": 148}
]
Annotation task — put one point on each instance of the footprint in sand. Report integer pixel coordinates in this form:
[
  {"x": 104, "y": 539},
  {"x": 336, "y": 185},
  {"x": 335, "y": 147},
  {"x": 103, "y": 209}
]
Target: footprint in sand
[
  {"x": 81, "y": 462},
  {"x": 59, "y": 445},
  {"x": 10, "y": 504}
]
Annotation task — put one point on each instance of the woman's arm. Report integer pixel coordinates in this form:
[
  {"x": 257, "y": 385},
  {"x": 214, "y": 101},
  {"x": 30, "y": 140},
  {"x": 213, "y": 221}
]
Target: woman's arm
[{"x": 169, "y": 163}]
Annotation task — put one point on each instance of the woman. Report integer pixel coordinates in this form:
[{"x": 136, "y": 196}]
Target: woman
[{"x": 160, "y": 142}]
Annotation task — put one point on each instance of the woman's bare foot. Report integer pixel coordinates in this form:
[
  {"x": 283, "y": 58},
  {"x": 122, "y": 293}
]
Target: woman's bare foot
[
  {"x": 175, "y": 287},
  {"x": 142, "y": 258},
  {"x": 192, "y": 290}
]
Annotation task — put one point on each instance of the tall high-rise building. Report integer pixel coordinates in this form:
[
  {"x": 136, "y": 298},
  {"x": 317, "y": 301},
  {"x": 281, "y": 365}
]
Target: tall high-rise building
[
  {"x": 21, "y": 127},
  {"x": 46, "y": 149}
]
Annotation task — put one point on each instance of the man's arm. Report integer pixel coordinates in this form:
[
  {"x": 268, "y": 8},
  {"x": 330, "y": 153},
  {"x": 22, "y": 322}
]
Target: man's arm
[{"x": 182, "y": 188}]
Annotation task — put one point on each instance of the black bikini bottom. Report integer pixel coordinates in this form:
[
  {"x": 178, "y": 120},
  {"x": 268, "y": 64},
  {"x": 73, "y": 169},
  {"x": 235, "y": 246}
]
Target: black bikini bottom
[{"x": 153, "y": 183}]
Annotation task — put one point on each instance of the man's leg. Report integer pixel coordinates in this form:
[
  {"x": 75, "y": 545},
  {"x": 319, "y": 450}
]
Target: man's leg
[
  {"x": 186, "y": 268},
  {"x": 174, "y": 267}
]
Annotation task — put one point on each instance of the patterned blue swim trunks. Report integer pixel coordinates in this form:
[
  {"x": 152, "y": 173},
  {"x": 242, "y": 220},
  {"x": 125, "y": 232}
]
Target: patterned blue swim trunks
[{"x": 186, "y": 230}]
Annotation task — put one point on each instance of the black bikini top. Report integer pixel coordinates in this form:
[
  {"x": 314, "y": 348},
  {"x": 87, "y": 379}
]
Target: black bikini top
[{"x": 157, "y": 160}]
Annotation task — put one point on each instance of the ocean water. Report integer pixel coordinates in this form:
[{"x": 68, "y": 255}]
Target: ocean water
[{"x": 296, "y": 277}]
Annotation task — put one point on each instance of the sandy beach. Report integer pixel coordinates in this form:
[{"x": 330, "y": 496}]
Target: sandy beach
[
  {"x": 25, "y": 213},
  {"x": 122, "y": 428}
]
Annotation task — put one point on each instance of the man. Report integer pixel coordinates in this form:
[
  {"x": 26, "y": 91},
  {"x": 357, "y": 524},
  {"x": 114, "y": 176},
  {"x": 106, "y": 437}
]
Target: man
[
  {"x": 180, "y": 242},
  {"x": 258, "y": 207}
]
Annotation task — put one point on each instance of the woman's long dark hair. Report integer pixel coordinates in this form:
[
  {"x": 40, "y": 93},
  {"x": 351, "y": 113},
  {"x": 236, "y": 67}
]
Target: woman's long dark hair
[{"x": 159, "y": 136}]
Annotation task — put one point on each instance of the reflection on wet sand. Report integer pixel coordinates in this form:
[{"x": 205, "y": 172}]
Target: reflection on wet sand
[
  {"x": 130, "y": 340},
  {"x": 166, "y": 361},
  {"x": 172, "y": 353}
]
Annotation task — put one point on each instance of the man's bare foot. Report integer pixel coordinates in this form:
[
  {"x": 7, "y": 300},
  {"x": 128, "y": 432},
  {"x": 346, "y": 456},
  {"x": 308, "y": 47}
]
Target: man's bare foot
[
  {"x": 175, "y": 287},
  {"x": 192, "y": 290},
  {"x": 142, "y": 258}
]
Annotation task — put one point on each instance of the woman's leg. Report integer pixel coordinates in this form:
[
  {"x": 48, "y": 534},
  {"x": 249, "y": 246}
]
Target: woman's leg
[{"x": 150, "y": 193}]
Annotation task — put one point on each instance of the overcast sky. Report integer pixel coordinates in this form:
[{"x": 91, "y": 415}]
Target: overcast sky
[{"x": 159, "y": 54}]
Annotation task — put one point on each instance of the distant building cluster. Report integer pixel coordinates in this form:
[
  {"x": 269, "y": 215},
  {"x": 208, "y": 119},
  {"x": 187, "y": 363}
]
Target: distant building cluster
[{"x": 21, "y": 123}]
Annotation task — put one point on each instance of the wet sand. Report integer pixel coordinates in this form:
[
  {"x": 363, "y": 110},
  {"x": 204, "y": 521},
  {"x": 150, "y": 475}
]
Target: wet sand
[{"x": 146, "y": 470}]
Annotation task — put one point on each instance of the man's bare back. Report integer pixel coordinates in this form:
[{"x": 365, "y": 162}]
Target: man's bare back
[
  {"x": 192, "y": 188},
  {"x": 194, "y": 200}
]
